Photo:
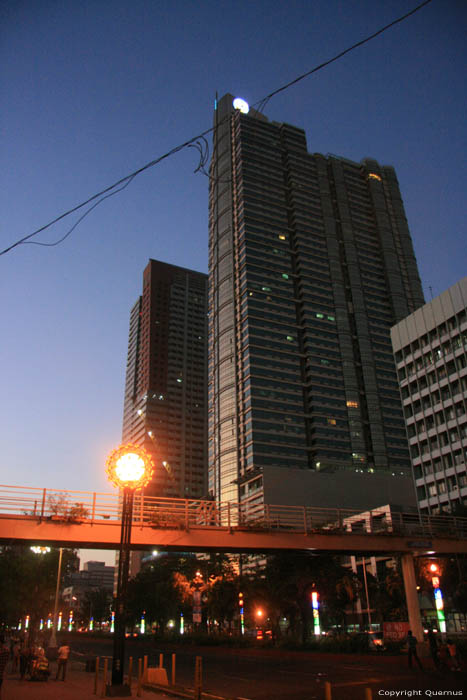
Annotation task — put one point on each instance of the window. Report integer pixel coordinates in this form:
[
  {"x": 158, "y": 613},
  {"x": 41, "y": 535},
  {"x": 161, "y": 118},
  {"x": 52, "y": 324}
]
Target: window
[{"x": 352, "y": 404}]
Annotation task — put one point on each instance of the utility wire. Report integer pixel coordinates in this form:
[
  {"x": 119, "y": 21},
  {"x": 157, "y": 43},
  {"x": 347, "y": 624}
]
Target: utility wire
[
  {"x": 88, "y": 211},
  {"x": 125, "y": 181},
  {"x": 263, "y": 102}
]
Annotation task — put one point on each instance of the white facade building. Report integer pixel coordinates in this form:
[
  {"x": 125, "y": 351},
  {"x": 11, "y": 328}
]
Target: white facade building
[{"x": 430, "y": 349}]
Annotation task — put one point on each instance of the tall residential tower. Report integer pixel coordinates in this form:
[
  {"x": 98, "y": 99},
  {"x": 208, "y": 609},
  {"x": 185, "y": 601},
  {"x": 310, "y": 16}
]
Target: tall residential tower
[
  {"x": 310, "y": 264},
  {"x": 165, "y": 388}
]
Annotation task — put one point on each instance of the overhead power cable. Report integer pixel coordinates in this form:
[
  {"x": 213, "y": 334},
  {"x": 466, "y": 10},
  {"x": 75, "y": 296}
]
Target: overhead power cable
[
  {"x": 195, "y": 142},
  {"x": 263, "y": 102}
]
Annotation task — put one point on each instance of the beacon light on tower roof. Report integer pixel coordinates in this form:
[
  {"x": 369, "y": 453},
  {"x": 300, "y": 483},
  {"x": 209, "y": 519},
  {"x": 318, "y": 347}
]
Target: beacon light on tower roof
[
  {"x": 241, "y": 105},
  {"x": 130, "y": 466}
]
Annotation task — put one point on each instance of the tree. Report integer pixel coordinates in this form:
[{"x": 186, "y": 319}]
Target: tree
[
  {"x": 96, "y": 604},
  {"x": 155, "y": 593},
  {"x": 28, "y": 582},
  {"x": 222, "y": 601},
  {"x": 290, "y": 579},
  {"x": 390, "y": 598}
]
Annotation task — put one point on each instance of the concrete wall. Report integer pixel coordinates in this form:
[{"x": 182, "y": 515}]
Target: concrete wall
[{"x": 341, "y": 489}]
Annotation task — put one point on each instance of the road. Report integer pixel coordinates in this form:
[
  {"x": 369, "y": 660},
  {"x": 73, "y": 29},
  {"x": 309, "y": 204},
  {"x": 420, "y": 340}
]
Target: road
[{"x": 272, "y": 674}]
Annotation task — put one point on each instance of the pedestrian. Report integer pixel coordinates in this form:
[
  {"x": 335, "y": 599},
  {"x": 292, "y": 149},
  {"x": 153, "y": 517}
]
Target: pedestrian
[
  {"x": 62, "y": 659},
  {"x": 444, "y": 656},
  {"x": 433, "y": 644},
  {"x": 452, "y": 648},
  {"x": 4, "y": 658},
  {"x": 412, "y": 650},
  {"x": 25, "y": 657},
  {"x": 15, "y": 656}
]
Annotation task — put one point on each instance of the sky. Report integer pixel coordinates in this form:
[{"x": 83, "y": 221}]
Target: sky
[{"x": 94, "y": 90}]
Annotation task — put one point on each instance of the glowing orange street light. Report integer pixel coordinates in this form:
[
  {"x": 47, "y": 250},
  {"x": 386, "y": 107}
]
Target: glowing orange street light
[
  {"x": 259, "y": 612},
  {"x": 130, "y": 468}
]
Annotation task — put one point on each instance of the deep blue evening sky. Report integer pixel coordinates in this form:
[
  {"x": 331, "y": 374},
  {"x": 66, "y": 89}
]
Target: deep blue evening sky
[{"x": 93, "y": 89}]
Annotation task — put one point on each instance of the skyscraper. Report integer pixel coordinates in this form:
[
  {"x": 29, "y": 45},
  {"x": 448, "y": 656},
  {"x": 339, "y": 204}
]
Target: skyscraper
[
  {"x": 165, "y": 387},
  {"x": 310, "y": 264}
]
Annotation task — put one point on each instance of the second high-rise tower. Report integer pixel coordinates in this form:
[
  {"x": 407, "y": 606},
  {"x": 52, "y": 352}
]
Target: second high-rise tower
[{"x": 311, "y": 263}]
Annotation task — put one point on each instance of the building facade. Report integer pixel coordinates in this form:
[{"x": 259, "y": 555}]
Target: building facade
[
  {"x": 166, "y": 378},
  {"x": 310, "y": 264},
  {"x": 430, "y": 349}
]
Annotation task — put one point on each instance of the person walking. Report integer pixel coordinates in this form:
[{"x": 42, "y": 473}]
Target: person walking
[
  {"x": 433, "y": 644},
  {"x": 62, "y": 660},
  {"x": 4, "y": 658},
  {"x": 452, "y": 648},
  {"x": 15, "y": 656},
  {"x": 412, "y": 650}
]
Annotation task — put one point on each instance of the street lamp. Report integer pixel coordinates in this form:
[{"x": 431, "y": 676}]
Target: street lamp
[
  {"x": 130, "y": 468},
  {"x": 53, "y": 636},
  {"x": 45, "y": 550}
]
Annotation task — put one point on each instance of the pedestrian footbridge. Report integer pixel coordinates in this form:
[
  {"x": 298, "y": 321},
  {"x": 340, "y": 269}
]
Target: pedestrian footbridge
[{"x": 92, "y": 520}]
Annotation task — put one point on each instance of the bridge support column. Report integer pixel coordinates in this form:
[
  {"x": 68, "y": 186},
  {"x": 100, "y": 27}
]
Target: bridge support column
[{"x": 411, "y": 596}]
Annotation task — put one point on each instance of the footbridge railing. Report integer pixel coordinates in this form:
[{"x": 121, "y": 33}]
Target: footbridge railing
[{"x": 187, "y": 514}]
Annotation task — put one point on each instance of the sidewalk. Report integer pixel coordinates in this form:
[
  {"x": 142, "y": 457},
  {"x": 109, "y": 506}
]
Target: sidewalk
[{"x": 79, "y": 685}]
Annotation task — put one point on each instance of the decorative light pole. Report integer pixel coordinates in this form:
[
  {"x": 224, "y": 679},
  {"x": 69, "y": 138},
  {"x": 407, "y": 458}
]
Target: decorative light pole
[
  {"x": 130, "y": 468},
  {"x": 439, "y": 603}
]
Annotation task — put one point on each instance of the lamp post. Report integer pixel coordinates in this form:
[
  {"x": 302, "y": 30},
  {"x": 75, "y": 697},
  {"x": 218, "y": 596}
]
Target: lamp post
[
  {"x": 53, "y": 636},
  {"x": 37, "y": 549},
  {"x": 130, "y": 468}
]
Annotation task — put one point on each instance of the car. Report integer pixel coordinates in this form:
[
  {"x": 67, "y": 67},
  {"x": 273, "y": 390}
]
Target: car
[{"x": 374, "y": 639}]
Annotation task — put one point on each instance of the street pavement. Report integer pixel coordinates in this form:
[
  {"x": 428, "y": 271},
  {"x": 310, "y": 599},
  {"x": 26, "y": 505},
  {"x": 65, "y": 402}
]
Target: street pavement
[
  {"x": 78, "y": 685},
  {"x": 261, "y": 674}
]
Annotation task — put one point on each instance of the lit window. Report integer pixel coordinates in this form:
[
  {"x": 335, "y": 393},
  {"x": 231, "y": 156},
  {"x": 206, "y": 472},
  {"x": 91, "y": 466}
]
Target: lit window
[
  {"x": 331, "y": 318},
  {"x": 331, "y": 421},
  {"x": 319, "y": 315},
  {"x": 374, "y": 176},
  {"x": 281, "y": 237},
  {"x": 289, "y": 337},
  {"x": 179, "y": 380},
  {"x": 266, "y": 289},
  {"x": 352, "y": 404},
  {"x": 285, "y": 276}
]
